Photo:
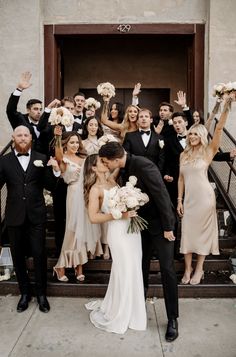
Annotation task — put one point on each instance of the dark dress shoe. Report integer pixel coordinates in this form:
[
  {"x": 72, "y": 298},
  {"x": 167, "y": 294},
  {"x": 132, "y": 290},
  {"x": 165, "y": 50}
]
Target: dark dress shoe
[
  {"x": 172, "y": 330},
  {"x": 43, "y": 303},
  {"x": 23, "y": 303}
]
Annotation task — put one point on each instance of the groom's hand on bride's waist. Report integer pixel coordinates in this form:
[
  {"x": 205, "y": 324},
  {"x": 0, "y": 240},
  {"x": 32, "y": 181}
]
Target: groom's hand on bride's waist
[{"x": 169, "y": 235}]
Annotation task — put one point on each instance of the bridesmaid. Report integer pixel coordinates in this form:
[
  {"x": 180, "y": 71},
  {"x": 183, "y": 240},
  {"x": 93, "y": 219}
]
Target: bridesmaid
[
  {"x": 128, "y": 124},
  {"x": 199, "y": 223},
  {"x": 92, "y": 132},
  {"x": 70, "y": 157}
]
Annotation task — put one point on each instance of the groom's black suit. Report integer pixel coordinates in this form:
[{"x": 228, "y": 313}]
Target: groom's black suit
[
  {"x": 160, "y": 216},
  {"x": 25, "y": 215}
]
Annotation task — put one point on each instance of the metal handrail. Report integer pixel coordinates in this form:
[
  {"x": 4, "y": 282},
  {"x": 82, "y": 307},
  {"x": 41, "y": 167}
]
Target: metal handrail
[{"x": 224, "y": 173}]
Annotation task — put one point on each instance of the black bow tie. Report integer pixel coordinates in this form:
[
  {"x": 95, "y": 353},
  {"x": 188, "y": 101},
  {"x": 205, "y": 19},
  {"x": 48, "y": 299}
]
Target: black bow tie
[
  {"x": 22, "y": 154},
  {"x": 78, "y": 116},
  {"x": 179, "y": 137},
  {"x": 33, "y": 124},
  {"x": 145, "y": 132}
]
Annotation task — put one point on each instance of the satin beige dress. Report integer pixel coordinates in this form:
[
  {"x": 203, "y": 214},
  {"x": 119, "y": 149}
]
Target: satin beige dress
[{"x": 199, "y": 222}]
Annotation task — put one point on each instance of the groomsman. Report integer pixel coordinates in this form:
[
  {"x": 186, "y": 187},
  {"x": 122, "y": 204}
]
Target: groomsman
[
  {"x": 79, "y": 115},
  {"x": 144, "y": 141},
  {"x": 25, "y": 173},
  {"x": 161, "y": 221},
  {"x": 33, "y": 115}
]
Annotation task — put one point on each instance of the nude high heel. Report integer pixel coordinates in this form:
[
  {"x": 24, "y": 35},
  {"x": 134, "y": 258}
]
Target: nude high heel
[
  {"x": 62, "y": 278},
  {"x": 194, "y": 281},
  {"x": 186, "y": 281}
]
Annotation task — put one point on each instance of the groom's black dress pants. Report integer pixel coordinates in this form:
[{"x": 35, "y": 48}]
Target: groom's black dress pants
[{"x": 165, "y": 251}]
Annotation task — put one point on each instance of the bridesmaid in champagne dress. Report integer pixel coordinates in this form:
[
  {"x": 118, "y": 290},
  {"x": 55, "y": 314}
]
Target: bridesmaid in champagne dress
[
  {"x": 198, "y": 211},
  {"x": 70, "y": 163}
]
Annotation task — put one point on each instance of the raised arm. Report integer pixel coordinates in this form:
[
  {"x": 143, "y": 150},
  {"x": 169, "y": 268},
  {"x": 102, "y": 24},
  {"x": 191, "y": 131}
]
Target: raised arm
[
  {"x": 58, "y": 148},
  {"x": 104, "y": 116},
  {"x": 213, "y": 114},
  {"x": 215, "y": 143}
]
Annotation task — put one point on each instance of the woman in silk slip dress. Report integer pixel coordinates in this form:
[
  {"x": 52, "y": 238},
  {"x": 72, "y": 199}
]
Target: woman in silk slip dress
[
  {"x": 124, "y": 305},
  {"x": 198, "y": 211}
]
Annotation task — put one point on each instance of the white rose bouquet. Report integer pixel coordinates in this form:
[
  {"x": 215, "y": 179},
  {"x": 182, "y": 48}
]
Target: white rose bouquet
[
  {"x": 106, "y": 90},
  {"x": 61, "y": 116},
  {"x": 107, "y": 138},
  {"x": 91, "y": 102},
  {"x": 127, "y": 198},
  {"x": 218, "y": 90}
]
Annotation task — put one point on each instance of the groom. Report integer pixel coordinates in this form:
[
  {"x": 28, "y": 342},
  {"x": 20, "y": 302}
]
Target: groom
[{"x": 161, "y": 221}]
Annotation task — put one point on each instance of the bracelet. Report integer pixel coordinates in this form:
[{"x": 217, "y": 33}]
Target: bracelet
[{"x": 179, "y": 199}]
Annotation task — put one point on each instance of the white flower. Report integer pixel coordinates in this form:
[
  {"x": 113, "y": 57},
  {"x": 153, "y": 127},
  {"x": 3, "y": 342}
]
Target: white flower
[
  {"x": 161, "y": 143},
  {"x": 133, "y": 180},
  {"x": 116, "y": 214},
  {"x": 61, "y": 116},
  {"x": 170, "y": 122},
  {"x": 218, "y": 90},
  {"x": 106, "y": 89},
  {"x": 47, "y": 198},
  {"x": 228, "y": 87},
  {"x": 38, "y": 163},
  {"x": 92, "y": 102},
  {"x": 132, "y": 202}
]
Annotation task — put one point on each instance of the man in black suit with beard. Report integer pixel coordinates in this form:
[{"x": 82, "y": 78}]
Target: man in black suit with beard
[
  {"x": 25, "y": 173},
  {"x": 161, "y": 221},
  {"x": 144, "y": 141}
]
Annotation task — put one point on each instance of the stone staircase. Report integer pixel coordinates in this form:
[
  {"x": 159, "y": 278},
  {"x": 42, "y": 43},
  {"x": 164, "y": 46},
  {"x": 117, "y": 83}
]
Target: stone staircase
[{"x": 215, "y": 284}]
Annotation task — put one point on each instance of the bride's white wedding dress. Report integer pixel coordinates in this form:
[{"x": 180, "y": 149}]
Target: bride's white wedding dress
[{"x": 124, "y": 305}]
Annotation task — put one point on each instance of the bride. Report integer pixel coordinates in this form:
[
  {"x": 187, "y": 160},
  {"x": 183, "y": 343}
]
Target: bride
[{"x": 124, "y": 305}]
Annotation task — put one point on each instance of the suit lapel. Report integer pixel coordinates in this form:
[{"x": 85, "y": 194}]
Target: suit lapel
[
  {"x": 17, "y": 165},
  {"x": 140, "y": 140}
]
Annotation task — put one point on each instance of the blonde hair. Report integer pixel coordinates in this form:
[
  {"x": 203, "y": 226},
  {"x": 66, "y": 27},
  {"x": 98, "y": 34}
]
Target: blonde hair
[
  {"x": 202, "y": 132},
  {"x": 126, "y": 123},
  {"x": 89, "y": 175}
]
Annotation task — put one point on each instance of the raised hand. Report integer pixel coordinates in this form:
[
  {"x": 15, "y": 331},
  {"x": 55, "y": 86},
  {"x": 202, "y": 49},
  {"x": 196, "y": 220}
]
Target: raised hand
[
  {"x": 136, "y": 90},
  {"x": 24, "y": 82},
  {"x": 54, "y": 104},
  {"x": 181, "y": 98},
  {"x": 58, "y": 130}
]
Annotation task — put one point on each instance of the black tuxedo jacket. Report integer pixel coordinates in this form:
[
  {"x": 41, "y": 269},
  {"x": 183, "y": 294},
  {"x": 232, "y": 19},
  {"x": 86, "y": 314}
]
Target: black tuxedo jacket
[
  {"x": 25, "y": 188},
  {"x": 173, "y": 149},
  {"x": 168, "y": 129},
  {"x": 17, "y": 118},
  {"x": 159, "y": 210},
  {"x": 133, "y": 144}
]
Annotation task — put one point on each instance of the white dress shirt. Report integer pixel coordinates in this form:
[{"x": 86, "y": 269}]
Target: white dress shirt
[{"x": 145, "y": 137}]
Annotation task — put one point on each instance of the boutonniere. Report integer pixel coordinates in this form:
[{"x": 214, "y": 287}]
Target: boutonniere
[
  {"x": 161, "y": 143},
  {"x": 38, "y": 163},
  {"x": 170, "y": 122}
]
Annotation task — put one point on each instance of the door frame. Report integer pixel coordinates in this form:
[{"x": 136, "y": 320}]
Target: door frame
[{"x": 53, "y": 34}]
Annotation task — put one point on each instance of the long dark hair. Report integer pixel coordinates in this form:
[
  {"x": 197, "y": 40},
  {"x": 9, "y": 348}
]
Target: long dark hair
[
  {"x": 120, "y": 108},
  {"x": 66, "y": 137},
  {"x": 85, "y": 128},
  {"x": 89, "y": 175}
]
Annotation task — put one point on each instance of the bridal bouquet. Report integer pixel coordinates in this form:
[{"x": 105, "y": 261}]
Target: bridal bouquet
[
  {"x": 91, "y": 102},
  {"x": 106, "y": 90},
  {"x": 225, "y": 90},
  {"x": 127, "y": 198},
  {"x": 61, "y": 116}
]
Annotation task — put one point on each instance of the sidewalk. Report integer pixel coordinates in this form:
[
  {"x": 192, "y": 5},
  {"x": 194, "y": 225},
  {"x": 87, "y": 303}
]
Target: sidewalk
[{"x": 207, "y": 328}]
